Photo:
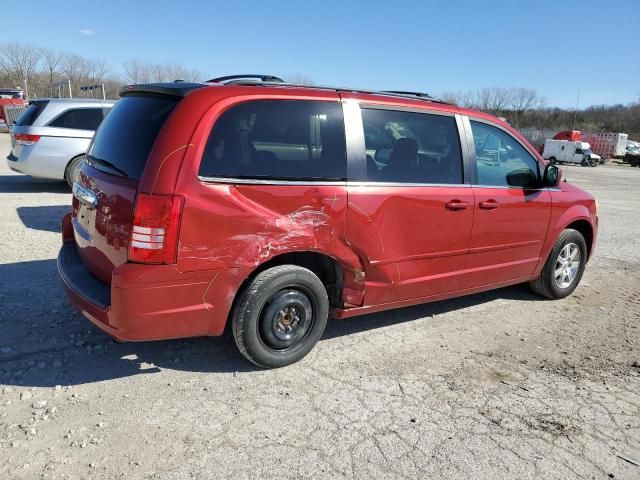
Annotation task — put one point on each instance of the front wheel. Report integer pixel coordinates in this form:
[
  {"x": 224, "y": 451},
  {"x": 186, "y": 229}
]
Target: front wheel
[
  {"x": 563, "y": 270},
  {"x": 280, "y": 316}
]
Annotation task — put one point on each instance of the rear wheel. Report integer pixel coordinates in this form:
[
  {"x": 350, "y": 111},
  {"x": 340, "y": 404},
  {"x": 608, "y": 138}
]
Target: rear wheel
[
  {"x": 563, "y": 270},
  {"x": 280, "y": 316},
  {"x": 71, "y": 172},
  {"x": 553, "y": 160}
]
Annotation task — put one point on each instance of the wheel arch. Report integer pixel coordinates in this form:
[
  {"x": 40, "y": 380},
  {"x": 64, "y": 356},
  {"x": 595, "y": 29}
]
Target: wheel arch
[
  {"x": 66, "y": 167},
  {"x": 329, "y": 270},
  {"x": 586, "y": 229}
]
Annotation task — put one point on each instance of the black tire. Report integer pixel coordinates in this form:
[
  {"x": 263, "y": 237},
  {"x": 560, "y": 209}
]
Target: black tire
[
  {"x": 546, "y": 284},
  {"x": 269, "y": 305},
  {"x": 553, "y": 160},
  {"x": 72, "y": 169},
  {"x": 585, "y": 162}
]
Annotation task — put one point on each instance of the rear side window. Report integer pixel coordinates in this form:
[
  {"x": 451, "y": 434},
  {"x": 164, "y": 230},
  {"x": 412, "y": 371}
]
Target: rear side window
[
  {"x": 410, "y": 147},
  {"x": 278, "y": 139},
  {"x": 29, "y": 116},
  {"x": 124, "y": 140},
  {"x": 79, "y": 119}
]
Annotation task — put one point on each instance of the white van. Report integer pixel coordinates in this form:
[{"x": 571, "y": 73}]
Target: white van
[{"x": 561, "y": 151}]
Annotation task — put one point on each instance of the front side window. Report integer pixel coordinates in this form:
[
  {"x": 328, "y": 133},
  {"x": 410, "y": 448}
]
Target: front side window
[
  {"x": 79, "y": 119},
  {"x": 501, "y": 160},
  {"x": 278, "y": 139},
  {"x": 408, "y": 147}
]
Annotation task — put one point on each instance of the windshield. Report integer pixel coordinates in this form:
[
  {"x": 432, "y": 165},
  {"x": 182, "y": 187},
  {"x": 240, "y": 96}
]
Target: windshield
[{"x": 587, "y": 151}]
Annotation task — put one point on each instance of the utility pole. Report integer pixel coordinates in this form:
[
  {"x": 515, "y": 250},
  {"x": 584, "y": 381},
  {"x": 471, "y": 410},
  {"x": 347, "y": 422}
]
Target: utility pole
[{"x": 575, "y": 113}]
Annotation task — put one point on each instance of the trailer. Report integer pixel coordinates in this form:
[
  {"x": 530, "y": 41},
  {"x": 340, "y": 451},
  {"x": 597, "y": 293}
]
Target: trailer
[{"x": 607, "y": 144}]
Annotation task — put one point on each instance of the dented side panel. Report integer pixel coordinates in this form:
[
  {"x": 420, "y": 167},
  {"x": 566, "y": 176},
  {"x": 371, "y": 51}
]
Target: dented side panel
[
  {"x": 413, "y": 244},
  {"x": 232, "y": 226}
]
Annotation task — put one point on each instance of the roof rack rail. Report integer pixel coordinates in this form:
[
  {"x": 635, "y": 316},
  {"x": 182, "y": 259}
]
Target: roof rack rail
[
  {"x": 388, "y": 93},
  {"x": 408, "y": 94},
  {"x": 237, "y": 78}
]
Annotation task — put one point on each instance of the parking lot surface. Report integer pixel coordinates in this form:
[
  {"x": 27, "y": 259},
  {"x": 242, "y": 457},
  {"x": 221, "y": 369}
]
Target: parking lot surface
[{"x": 499, "y": 385}]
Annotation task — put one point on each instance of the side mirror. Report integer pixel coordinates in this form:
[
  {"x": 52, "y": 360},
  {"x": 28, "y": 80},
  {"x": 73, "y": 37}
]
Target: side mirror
[{"x": 552, "y": 176}]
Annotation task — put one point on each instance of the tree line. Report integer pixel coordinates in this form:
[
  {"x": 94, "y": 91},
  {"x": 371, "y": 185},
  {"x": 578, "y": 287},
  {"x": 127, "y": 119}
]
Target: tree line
[
  {"x": 35, "y": 68},
  {"x": 525, "y": 109}
]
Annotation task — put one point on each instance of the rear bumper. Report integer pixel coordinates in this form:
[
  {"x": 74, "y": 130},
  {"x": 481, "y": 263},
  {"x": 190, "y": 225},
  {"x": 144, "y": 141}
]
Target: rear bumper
[{"x": 149, "y": 302}]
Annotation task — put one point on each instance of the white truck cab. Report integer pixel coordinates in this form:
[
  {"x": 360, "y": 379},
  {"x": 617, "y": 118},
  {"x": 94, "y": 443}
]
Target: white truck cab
[{"x": 568, "y": 151}]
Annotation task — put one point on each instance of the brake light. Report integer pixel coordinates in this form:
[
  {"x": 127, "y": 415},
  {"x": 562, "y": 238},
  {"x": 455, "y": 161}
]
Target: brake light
[
  {"x": 26, "y": 139},
  {"x": 154, "y": 232}
]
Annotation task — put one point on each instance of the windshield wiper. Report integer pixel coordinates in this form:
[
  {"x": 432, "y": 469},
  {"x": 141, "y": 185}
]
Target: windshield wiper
[{"x": 107, "y": 164}]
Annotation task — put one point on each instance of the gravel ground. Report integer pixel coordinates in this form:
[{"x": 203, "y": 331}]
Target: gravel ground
[{"x": 499, "y": 385}]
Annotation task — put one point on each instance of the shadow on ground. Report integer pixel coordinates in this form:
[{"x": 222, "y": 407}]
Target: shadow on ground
[
  {"x": 26, "y": 184},
  {"x": 46, "y": 217},
  {"x": 45, "y": 342}
]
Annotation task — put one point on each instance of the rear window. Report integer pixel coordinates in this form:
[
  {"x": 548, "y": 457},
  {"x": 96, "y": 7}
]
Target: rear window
[
  {"x": 278, "y": 139},
  {"x": 79, "y": 119},
  {"x": 124, "y": 140},
  {"x": 29, "y": 116}
]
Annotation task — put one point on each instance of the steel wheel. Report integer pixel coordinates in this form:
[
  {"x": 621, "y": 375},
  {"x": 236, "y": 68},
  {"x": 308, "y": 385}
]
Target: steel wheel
[
  {"x": 567, "y": 265},
  {"x": 280, "y": 315},
  {"x": 286, "y": 319}
]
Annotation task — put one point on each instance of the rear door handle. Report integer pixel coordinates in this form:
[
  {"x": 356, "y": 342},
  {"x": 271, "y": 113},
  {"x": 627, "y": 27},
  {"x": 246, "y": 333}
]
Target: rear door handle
[
  {"x": 457, "y": 205},
  {"x": 489, "y": 205}
]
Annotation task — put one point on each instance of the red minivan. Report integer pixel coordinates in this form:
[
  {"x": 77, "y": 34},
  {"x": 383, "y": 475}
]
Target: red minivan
[{"x": 274, "y": 206}]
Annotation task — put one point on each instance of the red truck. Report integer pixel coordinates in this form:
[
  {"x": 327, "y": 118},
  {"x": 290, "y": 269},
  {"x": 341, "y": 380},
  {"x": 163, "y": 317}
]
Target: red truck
[{"x": 10, "y": 96}]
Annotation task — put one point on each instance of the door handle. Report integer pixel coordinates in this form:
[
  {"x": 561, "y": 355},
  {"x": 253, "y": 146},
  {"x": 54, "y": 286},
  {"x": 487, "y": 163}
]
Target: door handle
[
  {"x": 457, "y": 205},
  {"x": 489, "y": 205}
]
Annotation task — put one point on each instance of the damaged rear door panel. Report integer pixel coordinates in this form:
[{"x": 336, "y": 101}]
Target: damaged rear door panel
[{"x": 410, "y": 213}]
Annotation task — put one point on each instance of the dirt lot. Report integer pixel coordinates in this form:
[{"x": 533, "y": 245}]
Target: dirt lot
[{"x": 496, "y": 385}]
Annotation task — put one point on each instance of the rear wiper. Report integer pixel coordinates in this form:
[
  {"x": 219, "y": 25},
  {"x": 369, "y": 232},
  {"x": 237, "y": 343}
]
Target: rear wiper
[{"x": 106, "y": 163}]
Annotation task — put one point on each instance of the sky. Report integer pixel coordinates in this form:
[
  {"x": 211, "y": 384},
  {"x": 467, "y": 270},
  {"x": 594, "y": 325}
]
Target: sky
[{"x": 557, "y": 47}]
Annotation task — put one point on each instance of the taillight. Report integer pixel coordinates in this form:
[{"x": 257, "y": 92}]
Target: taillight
[
  {"x": 154, "y": 232},
  {"x": 26, "y": 139}
]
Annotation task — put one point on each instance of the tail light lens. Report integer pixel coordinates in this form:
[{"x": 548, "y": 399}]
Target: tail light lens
[
  {"x": 26, "y": 139},
  {"x": 154, "y": 232}
]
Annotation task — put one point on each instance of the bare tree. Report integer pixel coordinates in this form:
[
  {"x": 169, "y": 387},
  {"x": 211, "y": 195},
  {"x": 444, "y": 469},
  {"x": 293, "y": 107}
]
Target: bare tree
[
  {"x": 20, "y": 63},
  {"x": 142, "y": 71},
  {"x": 97, "y": 70},
  {"x": 299, "y": 79},
  {"x": 51, "y": 60},
  {"x": 74, "y": 67},
  {"x": 463, "y": 99}
]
